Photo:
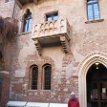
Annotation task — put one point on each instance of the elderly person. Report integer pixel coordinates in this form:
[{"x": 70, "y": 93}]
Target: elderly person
[{"x": 73, "y": 101}]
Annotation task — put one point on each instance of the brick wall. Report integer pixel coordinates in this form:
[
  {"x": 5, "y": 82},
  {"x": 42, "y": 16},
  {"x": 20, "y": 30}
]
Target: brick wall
[{"x": 4, "y": 87}]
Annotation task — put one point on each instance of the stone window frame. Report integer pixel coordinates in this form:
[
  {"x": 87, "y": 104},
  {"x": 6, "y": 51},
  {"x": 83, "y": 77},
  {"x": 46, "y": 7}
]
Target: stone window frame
[
  {"x": 21, "y": 32},
  {"x": 32, "y": 60},
  {"x": 31, "y": 76},
  {"x": 94, "y": 20},
  {"x": 51, "y": 13},
  {"x": 43, "y": 70}
]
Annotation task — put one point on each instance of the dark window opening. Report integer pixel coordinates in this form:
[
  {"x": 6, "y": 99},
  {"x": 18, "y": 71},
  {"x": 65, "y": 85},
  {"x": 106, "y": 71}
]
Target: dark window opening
[
  {"x": 34, "y": 78},
  {"x": 47, "y": 77},
  {"x": 97, "y": 85},
  {"x": 93, "y": 12},
  {"x": 27, "y": 21},
  {"x": 52, "y": 16}
]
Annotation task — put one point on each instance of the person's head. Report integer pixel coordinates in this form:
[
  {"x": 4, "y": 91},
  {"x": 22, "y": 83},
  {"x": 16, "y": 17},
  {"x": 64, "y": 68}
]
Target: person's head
[{"x": 72, "y": 96}]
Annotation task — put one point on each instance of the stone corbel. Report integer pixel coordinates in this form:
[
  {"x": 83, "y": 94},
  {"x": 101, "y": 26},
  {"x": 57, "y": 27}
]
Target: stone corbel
[
  {"x": 38, "y": 46},
  {"x": 64, "y": 43}
]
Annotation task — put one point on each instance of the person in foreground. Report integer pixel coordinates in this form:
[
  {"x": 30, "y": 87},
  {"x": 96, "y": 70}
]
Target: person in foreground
[{"x": 73, "y": 101}]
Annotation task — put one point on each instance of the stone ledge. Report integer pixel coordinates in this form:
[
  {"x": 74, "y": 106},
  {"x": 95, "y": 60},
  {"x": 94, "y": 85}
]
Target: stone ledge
[
  {"x": 94, "y": 21},
  {"x": 24, "y": 33}
]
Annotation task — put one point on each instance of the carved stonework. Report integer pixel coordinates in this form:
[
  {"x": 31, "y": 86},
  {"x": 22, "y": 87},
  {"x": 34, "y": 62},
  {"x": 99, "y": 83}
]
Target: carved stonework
[
  {"x": 53, "y": 33},
  {"x": 83, "y": 69}
]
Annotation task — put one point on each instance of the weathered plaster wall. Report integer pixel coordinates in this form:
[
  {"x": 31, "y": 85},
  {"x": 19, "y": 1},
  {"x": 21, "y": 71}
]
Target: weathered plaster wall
[{"x": 6, "y": 9}]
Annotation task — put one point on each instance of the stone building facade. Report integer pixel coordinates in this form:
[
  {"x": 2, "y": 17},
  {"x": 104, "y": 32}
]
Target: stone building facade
[{"x": 67, "y": 36}]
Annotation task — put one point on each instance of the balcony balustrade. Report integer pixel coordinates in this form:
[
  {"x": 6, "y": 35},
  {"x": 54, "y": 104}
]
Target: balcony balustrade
[{"x": 52, "y": 33}]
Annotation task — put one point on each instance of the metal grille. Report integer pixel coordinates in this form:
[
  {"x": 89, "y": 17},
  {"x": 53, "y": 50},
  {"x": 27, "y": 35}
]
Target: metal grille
[
  {"x": 47, "y": 77},
  {"x": 34, "y": 78}
]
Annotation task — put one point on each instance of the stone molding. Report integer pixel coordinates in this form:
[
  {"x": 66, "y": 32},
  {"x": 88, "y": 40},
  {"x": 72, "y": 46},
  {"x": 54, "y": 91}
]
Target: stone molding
[
  {"x": 53, "y": 33},
  {"x": 83, "y": 69}
]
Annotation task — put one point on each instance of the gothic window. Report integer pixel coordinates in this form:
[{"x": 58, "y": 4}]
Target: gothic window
[
  {"x": 52, "y": 16},
  {"x": 93, "y": 12},
  {"x": 34, "y": 76},
  {"x": 47, "y": 77},
  {"x": 27, "y": 21}
]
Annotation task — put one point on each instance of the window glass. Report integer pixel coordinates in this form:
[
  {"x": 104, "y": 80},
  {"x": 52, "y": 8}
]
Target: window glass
[
  {"x": 96, "y": 11},
  {"x": 49, "y": 18},
  {"x": 90, "y": 12},
  {"x": 93, "y": 10},
  {"x": 34, "y": 78},
  {"x": 47, "y": 77},
  {"x": 55, "y": 18}
]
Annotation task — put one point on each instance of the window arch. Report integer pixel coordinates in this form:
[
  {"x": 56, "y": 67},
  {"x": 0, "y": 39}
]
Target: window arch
[
  {"x": 93, "y": 12},
  {"x": 47, "y": 77},
  {"x": 27, "y": 20},
  {"x": 34, "y": 77}
]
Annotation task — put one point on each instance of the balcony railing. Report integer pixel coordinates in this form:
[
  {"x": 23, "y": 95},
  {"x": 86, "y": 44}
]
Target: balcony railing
[{"x": 52, "y": 32}]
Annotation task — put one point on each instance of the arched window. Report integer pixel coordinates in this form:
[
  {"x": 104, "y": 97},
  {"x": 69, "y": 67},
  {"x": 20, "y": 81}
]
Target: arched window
[
  {"x": 47, "y": 77},
  {"x": 93, "y": 12},
  {"x": 34, "y": 75},
  {"x": 27, "y": 20}
]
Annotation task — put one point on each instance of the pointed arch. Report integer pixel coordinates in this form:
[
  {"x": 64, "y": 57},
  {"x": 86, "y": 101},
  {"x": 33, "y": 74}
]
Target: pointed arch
[{"x": 83, "y": 69}]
